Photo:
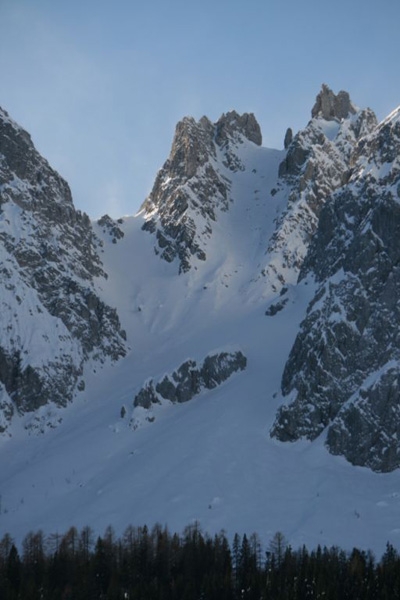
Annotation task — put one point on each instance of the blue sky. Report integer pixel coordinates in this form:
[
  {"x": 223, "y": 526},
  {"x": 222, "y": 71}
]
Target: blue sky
[{"x": 101, "y": 84}]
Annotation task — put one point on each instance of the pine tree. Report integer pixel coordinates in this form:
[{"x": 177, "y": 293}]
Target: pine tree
[
  {"x": 277, "y": 547},
  {"x": 13, "y": 572}
]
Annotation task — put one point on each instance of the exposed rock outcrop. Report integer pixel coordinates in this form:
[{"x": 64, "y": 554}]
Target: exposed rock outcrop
[
  {"x": 234, "y": 127},
  {"x": 190, "y": 379},
  {"x": 288, "y": 138},
  {"x": 193, "y": 185},
  {"x": 317, "y": 162},
  {"x": 111, "y": 227},
  {"x": 330, "y": 106},
  {"x": 342, "y": 372},
  {"x": 51, "y": 319}
]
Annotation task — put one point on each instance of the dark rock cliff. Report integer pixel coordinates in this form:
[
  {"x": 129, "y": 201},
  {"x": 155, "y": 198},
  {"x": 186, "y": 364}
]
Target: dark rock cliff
[
  {"x": 51, "y": 317},
  {"x": 342, "y": 373}
]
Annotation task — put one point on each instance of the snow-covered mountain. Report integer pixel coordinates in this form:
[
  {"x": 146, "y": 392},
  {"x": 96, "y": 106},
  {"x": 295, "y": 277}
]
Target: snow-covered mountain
[
  {"x": 343, "y": 371},
  {"x": 51, "y": 318},
  {"x": 256, "y": 290}
]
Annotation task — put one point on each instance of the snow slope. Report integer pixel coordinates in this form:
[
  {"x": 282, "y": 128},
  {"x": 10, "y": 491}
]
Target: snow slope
[{"x": 211, "y": 459}]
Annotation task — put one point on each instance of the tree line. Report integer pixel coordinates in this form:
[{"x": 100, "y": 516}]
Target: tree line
[{"x": 156, "y": 564}]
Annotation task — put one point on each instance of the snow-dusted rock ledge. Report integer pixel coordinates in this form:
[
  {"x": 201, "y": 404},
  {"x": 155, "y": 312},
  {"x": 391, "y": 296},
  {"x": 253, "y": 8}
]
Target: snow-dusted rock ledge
[{"x": 190, "y": 379}]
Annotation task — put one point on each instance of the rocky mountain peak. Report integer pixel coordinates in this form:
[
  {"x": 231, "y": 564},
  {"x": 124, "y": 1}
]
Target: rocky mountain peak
[
  {"x": 231, "y": 125},
  {"x": 335, "y": 128},
  {"x": 380, "y": 148},
  {"x": 194, "y": 183},
  {"x": 16, "y": 144},
  {"x": 191, "y": 147},
  {"x": 19, "y": 160},
  {"x": 330, "y": 106},
  {"x": 195, "y": 142},
  {"x": 318, "y": 161}
]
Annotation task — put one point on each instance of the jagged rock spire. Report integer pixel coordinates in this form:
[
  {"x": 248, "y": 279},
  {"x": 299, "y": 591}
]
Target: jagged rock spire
[
  {"x": 330, "y": 106},
  {"x": 231, "y": 124},
  {"x": 288, "y": 138},
  {"x": 191, "y": 183}
]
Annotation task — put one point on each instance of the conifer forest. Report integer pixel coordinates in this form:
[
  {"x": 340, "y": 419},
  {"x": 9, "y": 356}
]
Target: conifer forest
[{"x": 156, "y": 564}]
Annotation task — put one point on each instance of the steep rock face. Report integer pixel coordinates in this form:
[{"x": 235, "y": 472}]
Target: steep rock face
[
  {"x": 330, "y": 107},
  {"x": 190, "y": 378},
  {"x": 366, "y": 430},
  {"x": 111, "y": 227},
  {"x": 194, "y": 184},
  {"x": 342, "y": 372},
  {"x": 51, "y": 319},
  {"x": 317, "y": 162}
]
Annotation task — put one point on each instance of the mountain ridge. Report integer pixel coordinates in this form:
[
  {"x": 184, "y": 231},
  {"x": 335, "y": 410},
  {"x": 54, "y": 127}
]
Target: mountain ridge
[
  {"x": 238, "y": 248},
  {"x": 350, "y": 331},
  {"x": 52, "y": 320}
]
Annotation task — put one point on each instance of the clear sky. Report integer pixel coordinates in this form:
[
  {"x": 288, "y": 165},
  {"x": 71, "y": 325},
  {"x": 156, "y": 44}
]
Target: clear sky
[{"x": 101, "y": 84}]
